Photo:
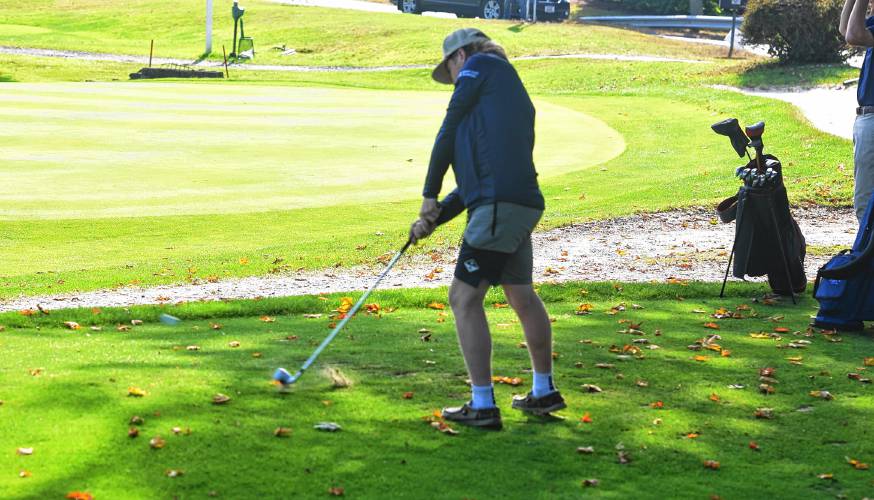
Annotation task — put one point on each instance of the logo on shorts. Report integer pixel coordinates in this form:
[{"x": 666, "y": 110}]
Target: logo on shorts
[{"x": 471, "y": 265}]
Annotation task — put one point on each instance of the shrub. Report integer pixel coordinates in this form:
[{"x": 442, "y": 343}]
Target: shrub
[
  {"x": 664, "y": 7},
  {"x": 796, "y": 31}
]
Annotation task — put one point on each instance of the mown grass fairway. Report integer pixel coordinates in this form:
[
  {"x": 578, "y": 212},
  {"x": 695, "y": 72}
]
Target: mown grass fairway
[
  {"x": 111, "y": 150},
  {"x": 65, "y": 394}
]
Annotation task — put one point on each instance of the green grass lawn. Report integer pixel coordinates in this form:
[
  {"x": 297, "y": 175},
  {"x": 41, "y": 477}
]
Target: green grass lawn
[
  {"x": 151, "y": 183},
  {"x": 65, "y": 395}
]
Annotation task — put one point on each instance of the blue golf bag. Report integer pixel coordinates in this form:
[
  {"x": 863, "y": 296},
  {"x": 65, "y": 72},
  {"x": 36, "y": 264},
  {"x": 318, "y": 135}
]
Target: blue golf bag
[{"x": 843, "y": 286}]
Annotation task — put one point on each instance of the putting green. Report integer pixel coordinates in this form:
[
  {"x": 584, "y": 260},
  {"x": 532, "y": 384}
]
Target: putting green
[{"x": 96, "y": 150}]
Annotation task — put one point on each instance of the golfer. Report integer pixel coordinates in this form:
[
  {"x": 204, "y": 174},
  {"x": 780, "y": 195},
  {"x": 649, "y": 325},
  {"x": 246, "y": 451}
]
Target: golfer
[
  {"x": 488, "y": 138},
  {"x": 856, "y": 29}
]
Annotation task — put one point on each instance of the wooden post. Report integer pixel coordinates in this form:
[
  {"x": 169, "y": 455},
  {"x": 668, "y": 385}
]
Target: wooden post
[
  {"x": 151, "y": 49},
  {"x": 227, "y": 75}
]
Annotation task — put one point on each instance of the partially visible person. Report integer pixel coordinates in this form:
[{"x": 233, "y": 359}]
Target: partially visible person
[
  {"x": 856, "y": 28},
  {"x": 488, "y": 138}
]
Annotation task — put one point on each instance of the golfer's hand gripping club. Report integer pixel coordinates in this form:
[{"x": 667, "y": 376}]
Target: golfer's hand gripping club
[{"x": 284, "y": 378}]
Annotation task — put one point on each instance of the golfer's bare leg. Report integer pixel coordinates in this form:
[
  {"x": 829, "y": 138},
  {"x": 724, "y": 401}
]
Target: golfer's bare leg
[
  {"x": 535, "y": 323},
  {"x": 473, "y": 329}
]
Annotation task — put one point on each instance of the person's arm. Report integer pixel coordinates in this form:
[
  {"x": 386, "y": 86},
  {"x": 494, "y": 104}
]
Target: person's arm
[
  {"x": 845, "y": 17},
  {"x": 857, "y": 32},
  {"x": 446, "y": 210},
  {"x": 465, "y": 96},
  {"x": 450, "y": 207}
]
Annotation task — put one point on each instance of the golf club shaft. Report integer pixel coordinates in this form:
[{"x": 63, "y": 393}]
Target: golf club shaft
[{"x": 349, "y": 316}]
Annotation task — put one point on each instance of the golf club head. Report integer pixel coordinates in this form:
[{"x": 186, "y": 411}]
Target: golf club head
[
  {"x": 731, "y": 129},
  {"x": 754, "y": 132},
  {"x": 284, "y": 378}
]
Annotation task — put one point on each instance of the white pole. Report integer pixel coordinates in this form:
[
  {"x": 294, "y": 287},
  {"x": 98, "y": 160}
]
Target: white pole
[{"x": 208, "y": 26}]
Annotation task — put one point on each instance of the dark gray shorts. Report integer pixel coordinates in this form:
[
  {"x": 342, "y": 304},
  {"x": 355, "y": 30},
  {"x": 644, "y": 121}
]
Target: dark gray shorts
[
  {"x": 498, "y": 268},
  {"x": 497, "y": 245}
]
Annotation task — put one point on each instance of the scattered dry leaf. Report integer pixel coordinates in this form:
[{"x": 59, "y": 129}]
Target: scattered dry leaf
[
  {"x": 512, "y": 381},
  {"x": 282, "y": 432},
  {"x": 24, "y": 451},
  {"x": 336, "y": 491},
  {"x": 267, "y": 319},
  {"x": 764, "y": 413},
  {"x": 408, "y": 395},
  {"x": 135, "y": 392},
  {"x": 711, "y": 325},
  {"x": 586, "y": 418},
  {"x": 234, "y": 343},
  {"x": 173, "y": 473},
  {"x": 157, "y": 442},
  {"x": 220, "y": 399},
  {"x": 79, "y": 495},
  {"x": 72, "y": 325},
  {"x": 436, "y": 305},
  {"x": 590, "y": 482},
  {"x": 822, "y": 395},
  {"x": 133, "y": 432},
  {"x": 585, "y": 450},
  {"x": 711, "y": 464}
]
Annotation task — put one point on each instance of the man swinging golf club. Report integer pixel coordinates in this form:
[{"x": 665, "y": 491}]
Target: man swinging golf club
[{"x": 488, "y": 137}]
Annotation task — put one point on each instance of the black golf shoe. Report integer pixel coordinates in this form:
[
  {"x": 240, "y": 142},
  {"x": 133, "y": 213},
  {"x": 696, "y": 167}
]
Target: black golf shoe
[
  {"x": 487, "y": 418},
  {"x": 539, "y": 406}
]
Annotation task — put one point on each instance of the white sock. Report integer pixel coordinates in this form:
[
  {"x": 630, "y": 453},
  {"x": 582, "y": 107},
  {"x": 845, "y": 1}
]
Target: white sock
[
  {"x": 483, "y": 396},
  {"x": 542, "y": 385}
]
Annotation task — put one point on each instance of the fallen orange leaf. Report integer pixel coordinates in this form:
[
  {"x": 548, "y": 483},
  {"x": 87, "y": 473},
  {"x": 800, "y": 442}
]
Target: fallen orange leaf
[
  {"x": 711, "y": 464},
  {"x": 711, "y": 325},
  {"x": 79, "y": 495},
  {"x": 436, "y": 305},
  {"x": 586, "y": 418}
]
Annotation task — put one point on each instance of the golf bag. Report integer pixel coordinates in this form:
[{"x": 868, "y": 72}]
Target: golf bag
[
  {"x": 767, "y": 239},
  {"x": 843, "y": 286}
]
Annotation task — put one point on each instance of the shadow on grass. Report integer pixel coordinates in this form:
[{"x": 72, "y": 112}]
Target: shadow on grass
[{"x": 386, "y": 450}]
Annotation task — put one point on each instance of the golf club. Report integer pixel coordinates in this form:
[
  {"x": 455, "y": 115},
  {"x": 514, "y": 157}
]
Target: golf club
[{"x": 285, "y": 378}]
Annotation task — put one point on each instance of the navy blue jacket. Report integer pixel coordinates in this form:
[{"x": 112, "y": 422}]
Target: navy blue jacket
[
  {"x": 488, "y": 137},
  {"x": 865, "y": 88}
]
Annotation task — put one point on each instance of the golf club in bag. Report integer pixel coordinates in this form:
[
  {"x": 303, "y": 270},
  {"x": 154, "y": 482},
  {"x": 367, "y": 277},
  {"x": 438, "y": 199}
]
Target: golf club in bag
[
  {"x": 285, "y": 378},
  {"x": 767, "y": 240}
]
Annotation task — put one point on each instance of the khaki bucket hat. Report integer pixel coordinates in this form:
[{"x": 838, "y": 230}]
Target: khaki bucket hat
[{"x": 456, "y": 40}]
